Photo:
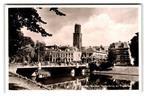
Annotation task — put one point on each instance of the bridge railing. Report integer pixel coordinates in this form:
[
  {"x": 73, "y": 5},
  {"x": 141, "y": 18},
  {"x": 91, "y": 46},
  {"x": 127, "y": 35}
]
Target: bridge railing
[{"x": 53, "y": 65}]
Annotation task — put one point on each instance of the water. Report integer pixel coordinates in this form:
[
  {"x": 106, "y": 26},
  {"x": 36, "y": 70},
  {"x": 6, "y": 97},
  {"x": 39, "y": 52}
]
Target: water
[{"x": 90, "y": 82}]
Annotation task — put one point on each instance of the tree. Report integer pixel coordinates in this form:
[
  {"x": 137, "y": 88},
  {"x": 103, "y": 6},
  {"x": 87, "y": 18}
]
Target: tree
[
  {"x": 27, "y": 41},
  {"x": 40, "y": 51},
  {"x": 101, "y": 47},
  {"x": 26, "y": 53},
  {"x": 24, "y": 17},
  {"x": 135, "y": 49},
  {"x": 111, "y": 54},
  {"x": 57, "y": 11},
  {"x": 18, "y": 18}
]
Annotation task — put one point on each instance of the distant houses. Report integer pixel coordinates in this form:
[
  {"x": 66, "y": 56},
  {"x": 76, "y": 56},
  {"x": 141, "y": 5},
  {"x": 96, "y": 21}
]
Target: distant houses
[
  {"x": 63, "y": 54},
  {"x": 69, "y": 55},
  {"x": 91, "y": 54},
  {"x": 117, "y": 54},
  {"x": 120, "y": 53},
  {"x": 76, "y": 53}
]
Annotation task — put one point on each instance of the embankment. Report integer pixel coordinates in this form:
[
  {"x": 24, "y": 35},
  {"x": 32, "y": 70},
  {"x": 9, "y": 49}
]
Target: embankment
[
  {"x": 122, "y": 72},
  {"x": 18, "y": 82}
]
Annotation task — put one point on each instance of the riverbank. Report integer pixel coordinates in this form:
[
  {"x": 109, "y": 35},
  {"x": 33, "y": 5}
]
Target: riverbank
[
  {"x": 18, "y": 82},
  {"x": 122, "y": 72}
]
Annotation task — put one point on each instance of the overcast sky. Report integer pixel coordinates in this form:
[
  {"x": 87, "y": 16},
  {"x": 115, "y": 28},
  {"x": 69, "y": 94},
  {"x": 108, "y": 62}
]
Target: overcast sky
[{"x": 99, "y": 26}]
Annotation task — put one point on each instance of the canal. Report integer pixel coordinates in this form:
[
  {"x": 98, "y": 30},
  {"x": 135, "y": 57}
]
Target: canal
[
  {"x": 90, "y": 82},
  {"x": 119, "y": 78}
]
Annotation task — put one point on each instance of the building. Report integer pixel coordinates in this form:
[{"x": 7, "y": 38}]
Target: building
[
  {"x": 121, "y": 52},
  {"x": 91, "y": 54},
  {"x": 77, "y": 37},
  {"x": 100, "y": 56},
  {"x": 63, "y": 54},
  {"x": 87, "y": 55}
]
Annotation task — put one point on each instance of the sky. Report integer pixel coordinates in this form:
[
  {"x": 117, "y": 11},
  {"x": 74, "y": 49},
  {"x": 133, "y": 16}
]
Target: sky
[{"x": 99, "y": 26}]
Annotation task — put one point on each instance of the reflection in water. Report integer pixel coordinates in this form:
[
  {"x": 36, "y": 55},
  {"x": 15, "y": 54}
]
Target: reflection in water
[
  {"x": 107, "y": 82},
  {"x": 89, "y": 82}
]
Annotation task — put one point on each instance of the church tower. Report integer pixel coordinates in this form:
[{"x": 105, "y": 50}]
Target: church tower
[{"x": 77, "y": 37}]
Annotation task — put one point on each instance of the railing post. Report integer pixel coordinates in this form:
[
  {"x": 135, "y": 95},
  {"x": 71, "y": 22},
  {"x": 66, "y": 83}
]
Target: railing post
[{"x": 39, "y": 66}]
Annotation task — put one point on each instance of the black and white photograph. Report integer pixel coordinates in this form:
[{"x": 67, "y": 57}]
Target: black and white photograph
[{"x": 73, "y": 47}]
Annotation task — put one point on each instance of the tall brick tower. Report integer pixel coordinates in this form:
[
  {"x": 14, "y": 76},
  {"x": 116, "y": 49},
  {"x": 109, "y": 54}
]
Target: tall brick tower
[{"x": 77, "y": 37}]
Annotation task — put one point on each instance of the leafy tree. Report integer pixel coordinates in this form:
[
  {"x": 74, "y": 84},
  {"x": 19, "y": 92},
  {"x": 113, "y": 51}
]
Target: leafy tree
[
  {"x": 135, "y": 49},
  {"x": 40, "y": 51},
  {"x": 26, "y": 53},
  {"x": 102, "y": 48},
  {"x": 24, "y": 17},
  {"x": 111, "y": 54},
  {"x": 27, "y": 41},
  {"x": 57, "y": 11},
  {"x": 18, "y": 18}
]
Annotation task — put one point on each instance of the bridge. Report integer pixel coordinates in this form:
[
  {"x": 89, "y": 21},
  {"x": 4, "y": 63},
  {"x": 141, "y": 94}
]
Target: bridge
[{"x": 53, "y": 69}]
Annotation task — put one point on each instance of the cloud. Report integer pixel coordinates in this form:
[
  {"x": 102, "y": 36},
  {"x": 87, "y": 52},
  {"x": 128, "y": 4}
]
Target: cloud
[
  {"x": 121, "y": 15},
  {"x": 73, "y": 15},
  {"x": 65, "y": 37},
  {"x": 99, "y": 25},
  {"x": 101, "y": 29}
]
